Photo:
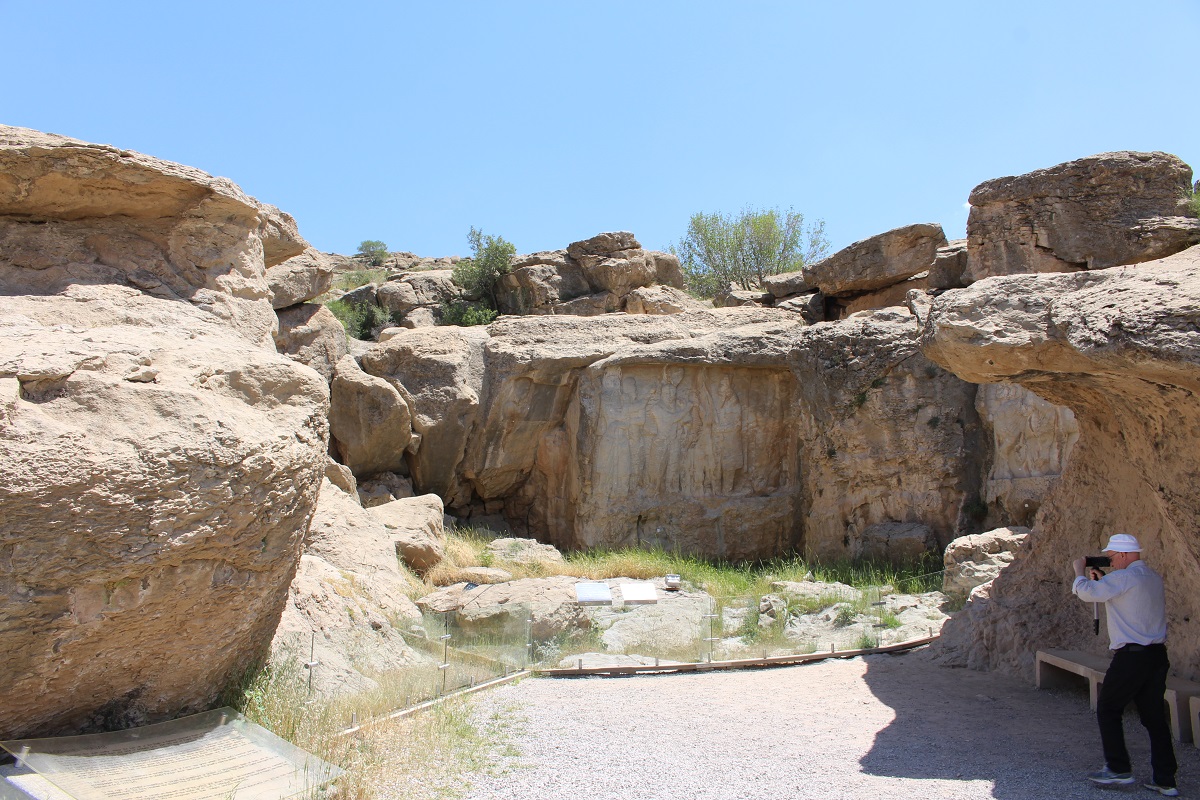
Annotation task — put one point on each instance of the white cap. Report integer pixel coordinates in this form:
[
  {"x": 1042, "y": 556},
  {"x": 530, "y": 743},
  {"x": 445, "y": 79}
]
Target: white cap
[{"x": 1122, "y": 543}]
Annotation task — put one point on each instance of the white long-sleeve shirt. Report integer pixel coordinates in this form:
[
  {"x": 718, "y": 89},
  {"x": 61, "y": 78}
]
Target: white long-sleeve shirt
[{"x": 1134, "y": 601}]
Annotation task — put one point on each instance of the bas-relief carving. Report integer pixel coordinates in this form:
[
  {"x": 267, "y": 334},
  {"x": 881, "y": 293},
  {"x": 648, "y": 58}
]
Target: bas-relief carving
[{"x": 1032, "y": 440}]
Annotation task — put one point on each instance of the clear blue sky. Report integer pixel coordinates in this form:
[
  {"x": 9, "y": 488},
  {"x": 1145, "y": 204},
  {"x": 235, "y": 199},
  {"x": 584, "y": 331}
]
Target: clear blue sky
[{"x": 548, "y": 122}]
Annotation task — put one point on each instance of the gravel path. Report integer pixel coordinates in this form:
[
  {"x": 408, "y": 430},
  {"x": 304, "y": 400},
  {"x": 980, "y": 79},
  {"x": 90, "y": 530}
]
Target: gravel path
[{"x": 895, "y": 726}]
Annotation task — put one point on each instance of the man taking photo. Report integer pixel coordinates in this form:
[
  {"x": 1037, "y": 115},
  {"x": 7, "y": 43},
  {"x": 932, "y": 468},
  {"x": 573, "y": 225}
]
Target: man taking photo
[{"x": 1135, "y": 607}]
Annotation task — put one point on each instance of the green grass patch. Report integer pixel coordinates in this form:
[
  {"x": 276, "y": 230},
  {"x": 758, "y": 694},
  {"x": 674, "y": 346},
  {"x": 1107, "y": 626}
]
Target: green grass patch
[{"x": 359, "y": 277}]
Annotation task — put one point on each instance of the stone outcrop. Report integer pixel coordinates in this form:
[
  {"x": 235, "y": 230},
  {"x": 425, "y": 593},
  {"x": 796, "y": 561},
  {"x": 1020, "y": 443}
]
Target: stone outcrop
[
  {"x": 300, "y": 279},
  {"x": 590, "y": 277},
  {"x": 689, "y": 431},
  {"x": 974, "y": 560},
  {"x": 547, "y": 604},
  {"x": 1119, "y": 347},
  {"x": 369, "y": 420},
  {"x": 416, "y": 527},
  {"x": 877, "y": 262},
  {"x": 1103, "y": 211},
  {"x": 660, "y": 300},
  {"x": 78, "y": 213},
  {"x": 949, "y": 266},
  {"x": 159, "y": 474},
  {"x": 311, "y": 335},
  {"x": 1031, "y": 443},
  {"x": 162, "y": 461},
  {"x": 350, "y": 592}
]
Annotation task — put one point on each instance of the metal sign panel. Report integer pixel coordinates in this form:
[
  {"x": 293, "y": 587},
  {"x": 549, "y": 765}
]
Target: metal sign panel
[
  {"x": 217, "y": 755},
  {"x": 589, "y": 593}
]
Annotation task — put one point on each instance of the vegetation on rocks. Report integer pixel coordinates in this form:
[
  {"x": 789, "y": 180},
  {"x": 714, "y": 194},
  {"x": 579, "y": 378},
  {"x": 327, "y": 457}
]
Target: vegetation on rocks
[
  {"x": 359, "y": 277},
  {"x": 360, "y": 319},
  {"x": 491, "y": 257},
  {"x": 373, "y": 251},
  {"x": 465, "y": 314},
  {"x": 722, "y": 249}
]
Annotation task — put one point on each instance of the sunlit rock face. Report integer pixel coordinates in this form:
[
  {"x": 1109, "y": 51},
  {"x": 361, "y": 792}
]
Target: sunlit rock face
[
  {"x": 161, "y": 460},
  {"x": 737, "y": 433},
  {"x": 1031, "y": 441},
  {"x": 1121, "y": 349}
]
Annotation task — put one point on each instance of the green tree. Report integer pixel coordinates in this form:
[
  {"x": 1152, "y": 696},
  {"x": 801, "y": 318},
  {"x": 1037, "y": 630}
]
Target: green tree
[
  {"x": 491, "y": 257},
  {"x": 373, "y": 251},
  {"x": 722, "y": 249}
]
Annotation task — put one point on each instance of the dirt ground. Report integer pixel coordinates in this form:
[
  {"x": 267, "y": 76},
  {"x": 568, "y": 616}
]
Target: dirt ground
[{"x": 885, "y": 725}]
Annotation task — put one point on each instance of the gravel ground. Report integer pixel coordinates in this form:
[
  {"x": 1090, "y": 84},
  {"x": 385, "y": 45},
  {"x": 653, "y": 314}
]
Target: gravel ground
[{"x": 895, "y": 726}]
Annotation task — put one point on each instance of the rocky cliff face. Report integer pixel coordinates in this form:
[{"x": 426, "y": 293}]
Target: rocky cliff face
[
  {"x": 1121, "y": 349},
  {"x": 736, "y": 433},
  {"x": 162, "y": 462}
]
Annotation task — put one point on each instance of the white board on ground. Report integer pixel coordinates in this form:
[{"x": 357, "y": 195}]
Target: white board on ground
[
  {"x": 217, "y": 755},
  {"x": 593, "y": 593},
  {"x": 638, "y": 593}
]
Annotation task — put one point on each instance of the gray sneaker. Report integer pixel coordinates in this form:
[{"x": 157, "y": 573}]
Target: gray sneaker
[
  {"x": 1165, "y": 791},
  {"x": 1106, "y": 777}
]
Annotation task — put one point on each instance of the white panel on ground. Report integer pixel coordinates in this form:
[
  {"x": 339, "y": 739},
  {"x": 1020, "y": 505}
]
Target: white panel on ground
[
  {"x": 639, "y": 593},
  {"x": 588, "y": 593},
  {"x": 217, "y": 755}
]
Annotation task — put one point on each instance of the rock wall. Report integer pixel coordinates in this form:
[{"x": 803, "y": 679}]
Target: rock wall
[
  {"x": 1121, "y": 349},
  {"x": 739, "y": 433},
  {"x": 161, "y": 460}
]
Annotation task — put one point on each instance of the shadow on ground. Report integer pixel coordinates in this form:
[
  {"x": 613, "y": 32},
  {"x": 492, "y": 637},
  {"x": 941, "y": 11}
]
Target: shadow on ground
[{"x": 962, "y": 725}]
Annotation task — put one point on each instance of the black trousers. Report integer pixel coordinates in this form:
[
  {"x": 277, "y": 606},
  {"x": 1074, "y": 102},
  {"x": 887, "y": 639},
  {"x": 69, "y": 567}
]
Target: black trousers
[{"x": 1137, "y": 676}]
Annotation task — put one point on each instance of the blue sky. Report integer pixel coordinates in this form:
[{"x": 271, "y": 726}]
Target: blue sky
[{"x": 548, "y": 122}]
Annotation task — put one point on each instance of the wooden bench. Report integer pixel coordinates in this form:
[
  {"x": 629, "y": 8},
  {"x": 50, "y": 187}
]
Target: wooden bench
[{"x": 1058, "y": 669}]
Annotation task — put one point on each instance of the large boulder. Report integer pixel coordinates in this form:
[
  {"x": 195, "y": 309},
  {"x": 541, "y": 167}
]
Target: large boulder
[
  {"x": 1120, "y": 348},
  {"x": 72, "y": 212},
  {"x": 300, "y": 278},
  {"x": 949, "y": 266},
  {"x": 880, "y": 261},
  {"x": 369, "y": 420},
  {"x": 660, "y": 300},
  {"x": 160, "y": 472},
  {"x": 311, "y": 335},
  {"x": 439, "y": 371},
  {"x": 416, "y": 527},
  {"x": 547, "y": 605},
  {"x": 1097, "y": 212},
  {"x": 351, "y": 593},
  {"x": 976, "y": 559}
]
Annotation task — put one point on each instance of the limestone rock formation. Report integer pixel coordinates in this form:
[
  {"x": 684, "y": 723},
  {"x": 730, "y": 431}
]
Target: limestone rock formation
[
  {"x": 1031, "y": 443},
  {"x": 505, "y": 607},
  {"x": 524, "y": 551},
  {"x": 384, "y": 488},
  {"x": 369, "y": 420},
  {"x": 660, "y": 300},
  {"x": 73, "y": 212},
  {"x": 590, "y": 277},
  {"x": 688, "y": 431},
  {"x": 159, "y": 474},
  {"x": 877, "y": 262},
  {"x": 300, "y": 279},
  {"x": 162, "y": 461},
  {"x": 976, "y": 559},
  {"x": 1120, "y": 348},
  {"x": 415, "y": 525},
  {"x": 949, "y": 266},
  {"x": 351, "y": 593},
  {"x": 440, "y": 372},
  {"x": 786, "y": 284},
  {"x": 1092, "y": 213},
  {"x": 311, "y": 335}
]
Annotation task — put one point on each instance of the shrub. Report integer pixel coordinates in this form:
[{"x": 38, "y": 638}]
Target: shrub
[
  {"x": 360, "y": 277},
  {"x": 360, "y": 319},
  {"x": 373, "y": 251},
  {"x": 467, "y": 314},
  {"x": 491, "y": 257},
  {"x": 1193, "y": 203},
  {"x": 721, "y": 249}
]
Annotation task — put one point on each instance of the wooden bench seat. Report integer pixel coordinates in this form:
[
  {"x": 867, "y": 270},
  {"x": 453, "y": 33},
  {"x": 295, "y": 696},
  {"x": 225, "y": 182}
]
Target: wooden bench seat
[{"x": 1057, "y": 669}]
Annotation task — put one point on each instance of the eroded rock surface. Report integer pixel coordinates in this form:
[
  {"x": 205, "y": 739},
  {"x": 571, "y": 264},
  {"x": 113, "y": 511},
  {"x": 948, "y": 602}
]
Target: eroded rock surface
[
  {"x": 1092, "y": 213},
  {"x": 1120, "y": 348},
  {"x": 160, "y": 471},
  {"x": 974, "y": 560},
  {"x": 877, "y": 262}
]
